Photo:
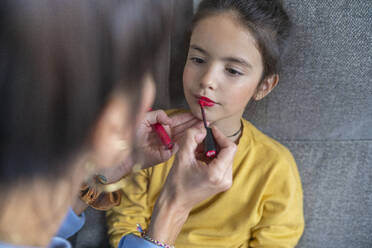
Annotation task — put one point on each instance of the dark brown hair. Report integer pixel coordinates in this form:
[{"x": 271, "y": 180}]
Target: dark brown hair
[
  {"x": 60, "y": 61},
  {"x": 265, "y": 19}
]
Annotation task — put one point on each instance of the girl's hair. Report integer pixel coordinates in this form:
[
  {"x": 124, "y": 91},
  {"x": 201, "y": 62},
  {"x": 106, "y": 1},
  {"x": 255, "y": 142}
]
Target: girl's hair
[
  {"x": 266, "y": 20},
  {"x": 60, "y": 61}
]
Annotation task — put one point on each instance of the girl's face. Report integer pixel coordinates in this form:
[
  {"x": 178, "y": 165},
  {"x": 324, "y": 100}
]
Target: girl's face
[{"x": 224, "y": 65}]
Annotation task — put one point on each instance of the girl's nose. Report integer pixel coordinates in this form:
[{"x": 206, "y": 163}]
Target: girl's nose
[{"x": 208, "y": 79}]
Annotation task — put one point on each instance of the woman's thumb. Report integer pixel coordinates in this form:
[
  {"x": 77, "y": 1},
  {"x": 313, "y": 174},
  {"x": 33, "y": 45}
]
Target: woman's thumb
[{"x": 193, "y": 137}]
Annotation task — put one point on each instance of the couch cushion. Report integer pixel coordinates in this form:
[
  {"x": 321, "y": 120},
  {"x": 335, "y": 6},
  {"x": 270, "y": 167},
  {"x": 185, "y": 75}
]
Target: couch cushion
[
  {"x": 337, "y": 184},
  {"x": 326, "y": 86}
]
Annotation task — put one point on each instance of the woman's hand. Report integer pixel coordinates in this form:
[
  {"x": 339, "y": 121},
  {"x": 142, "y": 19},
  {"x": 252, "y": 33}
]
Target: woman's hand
[
  {"x": 149, "y": 143},
  {"x": 153, "y": 151},
  {"x": 189, "y": 182}
]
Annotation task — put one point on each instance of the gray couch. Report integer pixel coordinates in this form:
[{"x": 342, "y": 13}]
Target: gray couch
[{"x": 322, "y": 111}]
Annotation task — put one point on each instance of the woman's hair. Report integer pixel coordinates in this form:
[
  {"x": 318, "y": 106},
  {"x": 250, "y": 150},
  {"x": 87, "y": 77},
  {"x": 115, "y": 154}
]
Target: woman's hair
[
  {"x": 266, "y": 20},
  {"x": 60, "y": 61}
]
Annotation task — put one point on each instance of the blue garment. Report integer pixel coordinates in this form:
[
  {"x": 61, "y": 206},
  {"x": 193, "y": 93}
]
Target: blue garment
[
  {"x": 133, "y": 241},
  {"x": 73, "y": 223}
]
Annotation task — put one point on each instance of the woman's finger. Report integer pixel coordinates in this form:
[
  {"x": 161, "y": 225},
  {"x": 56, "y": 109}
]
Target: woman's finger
[
  {"x": 175, "y": 149},
  {"x": 181, "y": 128},
  {"x": 193, "y": 137},
  {"x": 225, "y": 156},
  {"x": 178, "y": 136},
  {"x": 158, "y": 116},
  {"x": 220, "y": 138},
  {"x": 179, "y": 119}
]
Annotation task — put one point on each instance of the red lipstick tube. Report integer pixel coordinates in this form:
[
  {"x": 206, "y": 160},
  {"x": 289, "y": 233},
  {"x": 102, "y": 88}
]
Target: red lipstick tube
[{"x": 162, "y": 134}]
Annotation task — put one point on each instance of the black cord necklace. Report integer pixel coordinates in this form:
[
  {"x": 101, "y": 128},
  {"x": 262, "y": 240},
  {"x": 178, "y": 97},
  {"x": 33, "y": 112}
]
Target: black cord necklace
[{"x": 237, "y": 132}]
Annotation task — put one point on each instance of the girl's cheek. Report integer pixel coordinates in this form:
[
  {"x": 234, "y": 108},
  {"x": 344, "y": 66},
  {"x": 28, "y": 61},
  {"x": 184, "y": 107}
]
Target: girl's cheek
[{"x": 189, "y": 77}]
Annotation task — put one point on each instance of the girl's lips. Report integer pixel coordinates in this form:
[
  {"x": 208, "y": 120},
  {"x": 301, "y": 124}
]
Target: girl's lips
[{"x": 205, "y": 101}]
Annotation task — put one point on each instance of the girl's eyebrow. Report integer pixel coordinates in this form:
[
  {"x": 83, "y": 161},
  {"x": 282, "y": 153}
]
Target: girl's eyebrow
[
  {"x": 237, "y": 60},
  {"x": 197, "y": 48},
  {"x": 241, "y": 61}
]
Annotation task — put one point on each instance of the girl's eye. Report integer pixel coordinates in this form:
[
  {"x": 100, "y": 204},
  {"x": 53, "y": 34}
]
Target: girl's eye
[
  {"x": 233, "y": 72},
  {"x": 197, "y": 60}
]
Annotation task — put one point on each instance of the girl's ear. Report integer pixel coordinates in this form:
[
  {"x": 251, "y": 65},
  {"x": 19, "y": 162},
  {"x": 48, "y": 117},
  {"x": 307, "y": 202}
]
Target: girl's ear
[{"x": 268, "y": 84}]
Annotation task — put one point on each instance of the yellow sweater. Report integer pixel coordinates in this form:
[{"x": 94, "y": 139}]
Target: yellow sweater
[{"x": 263, "y": 208}]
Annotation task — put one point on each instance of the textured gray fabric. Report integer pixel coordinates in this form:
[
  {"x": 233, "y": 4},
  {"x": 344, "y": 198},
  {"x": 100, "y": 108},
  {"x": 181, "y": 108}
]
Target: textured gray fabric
[
  {"x": 322, "y": 110},
  {"x": 326, "y": 87},
  {"x": 337, "y": 184}
]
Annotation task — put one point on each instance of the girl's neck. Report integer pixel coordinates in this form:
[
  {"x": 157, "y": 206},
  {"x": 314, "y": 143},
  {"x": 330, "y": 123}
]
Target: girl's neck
[{"x": 230, "y": 127}]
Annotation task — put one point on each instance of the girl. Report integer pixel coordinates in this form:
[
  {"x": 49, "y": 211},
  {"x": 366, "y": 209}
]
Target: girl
[{"x": 233, "y": 58}]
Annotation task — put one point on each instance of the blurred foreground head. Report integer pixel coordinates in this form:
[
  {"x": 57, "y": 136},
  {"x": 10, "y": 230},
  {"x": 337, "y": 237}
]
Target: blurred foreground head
[{"x": 60, "y": 64}]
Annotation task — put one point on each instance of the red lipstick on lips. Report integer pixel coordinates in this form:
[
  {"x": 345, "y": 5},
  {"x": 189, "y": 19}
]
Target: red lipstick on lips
[{"x": 205, "y": 101}]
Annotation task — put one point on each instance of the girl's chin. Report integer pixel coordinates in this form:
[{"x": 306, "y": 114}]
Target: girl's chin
[{"x": 196, "y": 112}]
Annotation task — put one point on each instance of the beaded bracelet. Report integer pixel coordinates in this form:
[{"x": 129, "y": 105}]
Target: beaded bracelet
[{"x": 146, "y": 237}]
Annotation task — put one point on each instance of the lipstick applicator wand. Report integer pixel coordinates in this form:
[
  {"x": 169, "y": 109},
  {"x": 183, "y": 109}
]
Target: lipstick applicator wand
[{"x": 210, "y": 147}]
